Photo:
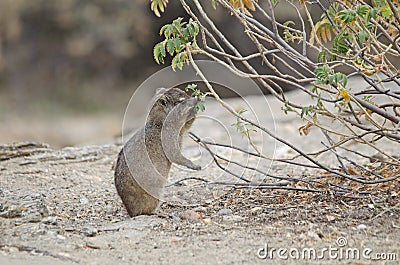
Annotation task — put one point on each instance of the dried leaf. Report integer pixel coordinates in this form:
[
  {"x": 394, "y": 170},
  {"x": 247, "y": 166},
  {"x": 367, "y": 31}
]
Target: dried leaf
[
  {"x": 323, "y": 34},
  {"x": 368, "y": 72},
  {"x": 345, "y": 94},
  {"x": 328, "y": 34},
  {"x": 305, "y": 129},
  {"x": 244, "y": 5},
  {"x": 377, "y": 58},
  {"x": 353, "y": 171},
  {"x": 312, "y": 37},
  {"x": 379, "y": 67},
  {"x": 392, "y": 31},
  {"x": 249, "y": 4}
]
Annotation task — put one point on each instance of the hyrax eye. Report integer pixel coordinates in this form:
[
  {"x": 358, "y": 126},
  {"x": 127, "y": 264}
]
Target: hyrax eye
[{"x": 163, "y": 101}]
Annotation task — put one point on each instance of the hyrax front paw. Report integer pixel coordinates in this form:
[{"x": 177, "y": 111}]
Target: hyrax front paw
[{"x": 193, "y": 166}]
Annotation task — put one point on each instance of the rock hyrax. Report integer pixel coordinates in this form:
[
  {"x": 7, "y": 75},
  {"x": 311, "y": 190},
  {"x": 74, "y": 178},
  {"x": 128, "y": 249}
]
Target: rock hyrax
[{"x": 144, "y": 162}]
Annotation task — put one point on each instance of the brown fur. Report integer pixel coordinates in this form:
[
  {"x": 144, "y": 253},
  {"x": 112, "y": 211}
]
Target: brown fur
[{"x": 144, "y": 162}]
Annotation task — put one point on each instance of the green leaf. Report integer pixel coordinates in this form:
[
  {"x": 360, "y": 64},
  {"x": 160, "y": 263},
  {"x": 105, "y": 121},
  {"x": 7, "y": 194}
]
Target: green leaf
[
  {"x": 199, "y": 106},
  {"x": 386, "y": 12},
  {"x": 363, "y": 36},
  {"x": 190, "y": 30},
  {"x": 315, "y": 118},
  {"x": 241, "y": 111},
  {"x": 185, "y": 34},
  {"x": 338, "y": 45},
  {"x": 177, "y": 35},
  {"x": 157, "y": 52},
  {"x": 372, "y": 14},
  {"x": 179, "y": 60},
  {"x": 162, "y": 50},
  {"x": 287, "y": 108},
  {"x": 378, "y": 3},
  {"x": 214, "y": 4},
  {"x": 362, "y": 10},
  {"x": 163, "y": 29},
  {"x": 347, "y": 16},
  {"x": 191, "y": 87},
  {"x": 306, "y": 110},
  {"x": 178, "y": 24},
  {"x": 170, "y": 46},
  {"x": 337, "y": 78},
  {"x": 177, "y": 44},
  {"x": 343, "y": 79},
  {"x": 288, "y": 23},
  {"x": 322, "y": 57},
  {"x": 322, "y": 72},
  {"x": 168, "y": 30},
  {"x": 196, "y": 28}
]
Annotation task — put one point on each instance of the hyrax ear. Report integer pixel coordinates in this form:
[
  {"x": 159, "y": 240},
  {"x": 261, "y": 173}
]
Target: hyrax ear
[{"x": 160, "y": 91}]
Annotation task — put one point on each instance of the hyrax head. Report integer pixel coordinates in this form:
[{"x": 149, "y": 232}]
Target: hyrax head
[{"x": 174, "y": 103}]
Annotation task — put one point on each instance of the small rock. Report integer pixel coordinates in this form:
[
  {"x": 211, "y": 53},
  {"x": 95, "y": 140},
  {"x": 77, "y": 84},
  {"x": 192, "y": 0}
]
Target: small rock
[
  {"x": 12, "y": 249},
  {"x": 137, "y": 223},
  {"x": 41, "y": 232},
  {"x": 361, "y": 227},
  {"x": 34, "y": 217},
  {"x": 191, "y": 215},
  {"x": 207, "y": 221},
  {"x": 224, "y": 212},
  {"x": 64, "y": 254},
  {"x": 51, "y": 220},
  {"x": 28, "y": 162},
  {"x": 83, "y": 200},
  {"x": 60, "y": 238},
  {"x": 96, "y": 243},
  {"x": 89, "y": 231},
  {"x": 200, "y": 209},
  {"x": 232, "y": 218},
  {"x": 174, "y": 217},
  {"x": 35, "y": 203},
  {"x": 176, "y": 239},
  {"x": 12, "y": 211},
  {"x": 52, "y": 234},
  {"x": 330, "y": 218},
  {"x": 256, "y": 209},
  {"x": 313, "y": 235},
  {"x": 110, "y": 209}
]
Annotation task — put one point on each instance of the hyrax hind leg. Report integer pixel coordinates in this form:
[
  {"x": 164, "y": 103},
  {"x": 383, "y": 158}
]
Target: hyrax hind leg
[{"x": 135, "y": 199}]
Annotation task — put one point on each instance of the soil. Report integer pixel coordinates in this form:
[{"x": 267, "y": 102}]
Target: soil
[{"x": 61, "y": 207}]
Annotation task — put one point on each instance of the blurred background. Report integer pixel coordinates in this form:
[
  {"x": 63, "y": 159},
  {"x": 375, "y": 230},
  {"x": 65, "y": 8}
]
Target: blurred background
[{"x": 69, "y": 67}]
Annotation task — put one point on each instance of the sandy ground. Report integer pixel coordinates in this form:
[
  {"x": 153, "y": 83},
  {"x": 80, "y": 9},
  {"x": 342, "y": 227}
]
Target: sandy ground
[{"x": 61, "y": 207}]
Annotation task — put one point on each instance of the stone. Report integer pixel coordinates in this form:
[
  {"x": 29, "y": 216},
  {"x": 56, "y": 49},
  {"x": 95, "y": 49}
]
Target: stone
[{"x": 89, "y": 231}]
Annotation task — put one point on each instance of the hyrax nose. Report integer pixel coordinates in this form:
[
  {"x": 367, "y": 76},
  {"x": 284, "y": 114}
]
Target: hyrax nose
[{"x": 192, "y": 101}]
